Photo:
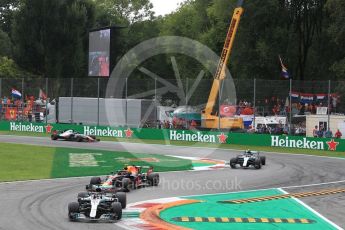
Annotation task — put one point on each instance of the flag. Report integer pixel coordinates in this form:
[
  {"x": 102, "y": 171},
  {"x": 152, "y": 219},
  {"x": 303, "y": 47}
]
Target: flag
[
  {"x": 307, "y": 98},
  {"x": 285, "y": 72},
  {"x": 11, "y": 114},
  {"x": 42, "y": 95},
  {"x": 294, "y": 95},
  {"x": 321, "y": 96},
  {"x": 16, "y": 94},
  {"x": 227, "y": 110}
]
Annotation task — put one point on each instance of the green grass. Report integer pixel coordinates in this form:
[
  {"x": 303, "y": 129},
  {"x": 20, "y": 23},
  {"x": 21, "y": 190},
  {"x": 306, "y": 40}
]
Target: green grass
[
  {"x": 223, "y": 146},
  {"x": 23, "y": 162},
  {"x": 27, "y": 162},
  {"x": 108, "y": 161}
]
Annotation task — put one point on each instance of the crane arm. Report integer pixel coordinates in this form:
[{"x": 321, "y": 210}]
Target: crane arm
[{"x": 221, "y": 70}]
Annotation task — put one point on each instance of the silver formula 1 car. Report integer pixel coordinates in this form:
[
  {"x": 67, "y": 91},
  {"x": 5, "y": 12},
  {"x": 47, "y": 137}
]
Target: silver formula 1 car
[
  {"x": 97, "y": 206},
  {"x": 72, "y": 135},
  {"x": 247, "y": 159}
]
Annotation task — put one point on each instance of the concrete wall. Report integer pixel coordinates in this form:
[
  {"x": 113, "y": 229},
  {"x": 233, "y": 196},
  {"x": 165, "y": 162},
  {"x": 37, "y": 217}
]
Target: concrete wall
[
  {"x": 336, "y": 122},
  {"x": 112, "y": 112}
]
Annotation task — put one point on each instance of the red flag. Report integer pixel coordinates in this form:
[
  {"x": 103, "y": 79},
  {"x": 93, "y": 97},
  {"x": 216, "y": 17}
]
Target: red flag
[
  {"x": 227, "y": 110},
  {"x": 11, "y": 113}
]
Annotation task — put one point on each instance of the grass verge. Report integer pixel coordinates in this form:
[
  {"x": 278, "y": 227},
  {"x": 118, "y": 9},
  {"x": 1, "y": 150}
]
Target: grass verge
[
  {"x": 23, "y": 162},
  {"x": 27, "y": 162}
]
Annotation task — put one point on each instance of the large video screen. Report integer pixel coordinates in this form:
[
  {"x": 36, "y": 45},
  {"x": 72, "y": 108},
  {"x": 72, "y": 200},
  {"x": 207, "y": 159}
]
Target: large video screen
[{"x": 99, "y": 53}]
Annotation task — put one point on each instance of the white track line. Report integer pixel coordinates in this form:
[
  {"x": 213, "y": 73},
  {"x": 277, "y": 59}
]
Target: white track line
[
  {"x": 313, "y": 185},
  {"x": 312, "y": 210}
]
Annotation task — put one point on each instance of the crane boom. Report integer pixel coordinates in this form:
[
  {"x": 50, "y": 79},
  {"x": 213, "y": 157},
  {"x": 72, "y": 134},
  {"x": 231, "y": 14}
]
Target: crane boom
[
  {"x": 221, "y": 70},
  {"x": 209, "y": 118}
]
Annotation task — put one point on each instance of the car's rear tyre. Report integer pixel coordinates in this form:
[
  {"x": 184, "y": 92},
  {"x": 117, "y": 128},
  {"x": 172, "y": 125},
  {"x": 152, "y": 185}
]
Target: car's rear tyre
[
  {"x": 73, "y": 208},
  {"x": 122, "y": 197},
  {"x": 153, "y": 179},
  {"x": 82, "y": 195},
  {"x": 125, "y": 183},
  {"x": 257, "y": 163},
  {"x": 95, "y": 181},
  {"x": 263, "y": 160},
  {"x": 54, "y": 137},
  {"x": 233, "y": 163},
  {"x": 117, "y": 210}
]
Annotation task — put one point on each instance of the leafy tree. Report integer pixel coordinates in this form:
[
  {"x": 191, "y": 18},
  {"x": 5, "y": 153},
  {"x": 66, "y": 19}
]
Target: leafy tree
[
  {"x": 7, "y": 9},
  {"x": 51, "y": 36},
  {"x": 306, "y": 17},
  {"x": 5, "y": 44},
  {"x": 8, "y": 68},
  {"x": 336, "y": 31},
  {"x": 124, "y": 11}
]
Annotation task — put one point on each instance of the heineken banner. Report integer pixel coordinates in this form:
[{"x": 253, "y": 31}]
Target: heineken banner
[{"x": 183, "y": 135}]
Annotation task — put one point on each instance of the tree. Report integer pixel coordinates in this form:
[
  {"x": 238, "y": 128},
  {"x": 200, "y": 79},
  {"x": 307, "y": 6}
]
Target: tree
[
  {"x": 7, "y": 9},
  {"x": 51, "y": 36},
  {"x": 5, "y": 44},
  {"x": 306, "y": 17},
  {"x": 8, "y": 68},
  {"x": 124, "y": 11},
  {"x": 336, "y": 31},
  {"x": 261, "y": 37}
]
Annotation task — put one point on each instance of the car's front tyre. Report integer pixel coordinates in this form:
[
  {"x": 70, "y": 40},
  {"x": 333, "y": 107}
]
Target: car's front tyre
[
  {"x": 117, "y": 210},
  {"x": 257, "y": 163},
  {"x": 233, "y": 163},
  {"x": 54, "y": 137},
  {"x": 122, "y": 198},
  {"x": 73, "y": 209}
]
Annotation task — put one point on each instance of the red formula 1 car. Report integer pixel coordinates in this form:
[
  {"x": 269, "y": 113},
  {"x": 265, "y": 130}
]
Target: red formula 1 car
[
  {"x": 71, "y": 135},
  {"x": 122, "y": 180}
]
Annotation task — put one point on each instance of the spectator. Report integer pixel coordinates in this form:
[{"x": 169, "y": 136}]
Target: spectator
[
  {"x": 302, "y": 110},
  {"x": 338, "y": 134},
  {"x": 286, "y": 129},
  {"x": 320, "y": 133},
  {"x": 315, "y": 131},
  {"x": 334, "y": 103},
  {"x": 297, "y": 131},
  {"x": 193, "y": 124},
  {"x": 328, "y": 134},
  {"x": 313, "y": 109}
]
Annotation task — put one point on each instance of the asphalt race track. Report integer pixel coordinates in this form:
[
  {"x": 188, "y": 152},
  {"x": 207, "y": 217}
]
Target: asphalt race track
[{"x": 43, "y": 204}]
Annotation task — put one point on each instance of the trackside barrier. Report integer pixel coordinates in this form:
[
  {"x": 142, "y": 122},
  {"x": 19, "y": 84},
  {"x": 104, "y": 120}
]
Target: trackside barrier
[{"x": 183, "y": 135}]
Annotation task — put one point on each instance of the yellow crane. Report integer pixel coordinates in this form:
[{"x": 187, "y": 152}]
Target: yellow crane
[{"x": 209, "y": 117}]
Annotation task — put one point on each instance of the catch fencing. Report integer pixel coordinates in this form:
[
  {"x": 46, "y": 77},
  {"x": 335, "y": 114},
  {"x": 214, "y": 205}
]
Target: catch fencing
[{"x": 164, "y": 99}]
